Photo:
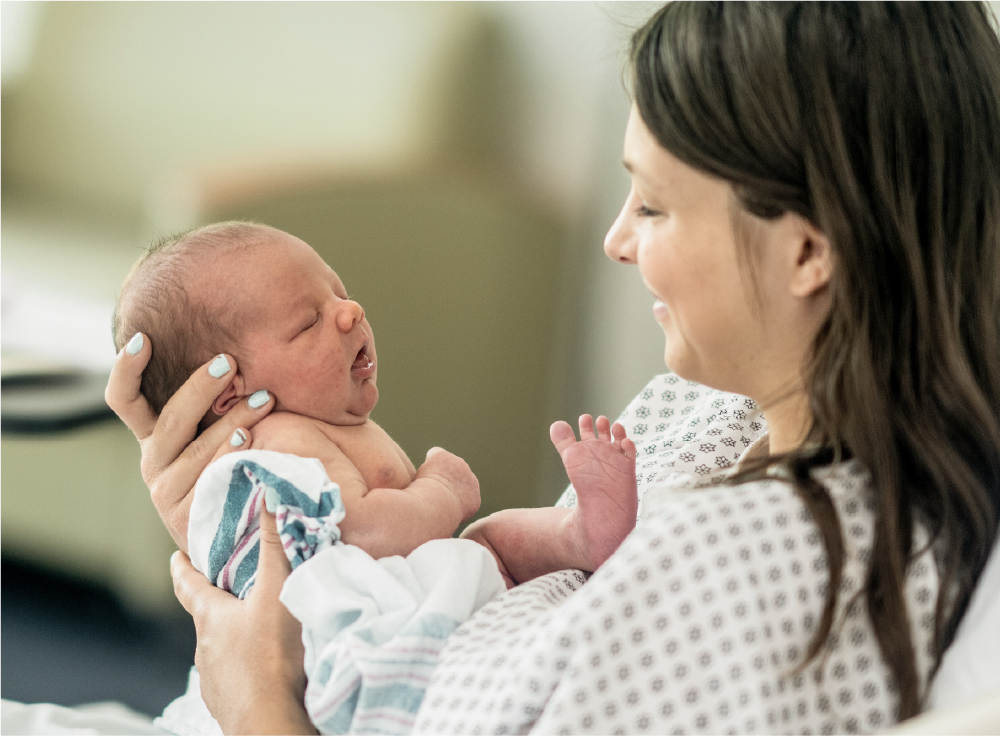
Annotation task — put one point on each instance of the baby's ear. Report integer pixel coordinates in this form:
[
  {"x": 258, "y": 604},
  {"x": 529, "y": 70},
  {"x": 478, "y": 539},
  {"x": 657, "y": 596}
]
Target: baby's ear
[{"x": 230, "y": 397}]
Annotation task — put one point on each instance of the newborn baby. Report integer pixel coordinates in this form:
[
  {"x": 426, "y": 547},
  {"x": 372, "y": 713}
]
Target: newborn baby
[
  {"x": 373, "y": 623},
  {"x": 268, "y": 299}
]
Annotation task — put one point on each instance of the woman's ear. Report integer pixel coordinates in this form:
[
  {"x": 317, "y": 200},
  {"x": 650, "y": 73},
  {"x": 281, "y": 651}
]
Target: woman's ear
[
  {"x": 231, "y": 396},
  {"x": 813, "y": 267}
]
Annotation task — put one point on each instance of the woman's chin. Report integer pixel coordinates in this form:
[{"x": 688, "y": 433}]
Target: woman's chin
[{"x": 678, "y": 364}]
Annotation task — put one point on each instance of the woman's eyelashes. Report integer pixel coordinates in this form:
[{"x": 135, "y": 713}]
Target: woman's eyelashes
[{"x": 644, "y": 211}]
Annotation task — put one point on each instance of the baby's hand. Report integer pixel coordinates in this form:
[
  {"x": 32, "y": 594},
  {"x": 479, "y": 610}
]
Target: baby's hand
[
  {"x": 602, "y": 470},
  {"x": 455, "y": 474}
]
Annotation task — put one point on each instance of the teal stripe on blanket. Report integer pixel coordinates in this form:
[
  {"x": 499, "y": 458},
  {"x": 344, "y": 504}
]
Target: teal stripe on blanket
[
  {"x": 362, "y": 712},
  {"x": 396, "y": 696},
  {"x": 224, "y": 542},
  {"x": 240, "y": 489},
  {"x": 434, "y": 625},
  {"x": 246, "y": 572},
  {"x": 292, "y": 496},
  {"x": 340, "y": 721}
]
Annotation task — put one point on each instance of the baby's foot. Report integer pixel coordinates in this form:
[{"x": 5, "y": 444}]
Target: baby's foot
[{"x": 602, "y": 470}]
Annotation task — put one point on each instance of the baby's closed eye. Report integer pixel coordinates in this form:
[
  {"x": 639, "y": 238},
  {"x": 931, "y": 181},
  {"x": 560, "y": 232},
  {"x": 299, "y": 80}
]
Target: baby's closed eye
[{"x": 310, "y": 324}]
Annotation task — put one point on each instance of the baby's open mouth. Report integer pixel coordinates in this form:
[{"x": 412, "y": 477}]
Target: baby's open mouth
[{"x": 363, "y": 365}]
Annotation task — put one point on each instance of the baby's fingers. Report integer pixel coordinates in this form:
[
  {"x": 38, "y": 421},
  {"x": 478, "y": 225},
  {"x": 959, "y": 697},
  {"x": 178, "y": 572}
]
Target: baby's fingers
[{"x": 562, "y": 436}]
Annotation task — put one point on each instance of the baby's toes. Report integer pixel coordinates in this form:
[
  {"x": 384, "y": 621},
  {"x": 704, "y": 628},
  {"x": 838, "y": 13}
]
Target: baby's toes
[
  {"x": 562, "y": 436},
  {"x": 618, "y": 432},
  {"x": 628, "y": 447},
  {"x": 603, "y": 429}
]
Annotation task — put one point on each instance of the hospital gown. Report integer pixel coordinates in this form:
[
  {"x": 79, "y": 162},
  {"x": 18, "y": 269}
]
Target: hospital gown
[{"x": 701, "y": 620}]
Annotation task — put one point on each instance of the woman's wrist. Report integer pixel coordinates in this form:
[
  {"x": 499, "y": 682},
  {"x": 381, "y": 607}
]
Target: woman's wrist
[{"x": 277, "y": 714}]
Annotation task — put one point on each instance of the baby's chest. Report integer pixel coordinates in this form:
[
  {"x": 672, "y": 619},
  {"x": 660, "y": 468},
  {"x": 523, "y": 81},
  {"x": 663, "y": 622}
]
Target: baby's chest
[{"x": 375, "y": 456}]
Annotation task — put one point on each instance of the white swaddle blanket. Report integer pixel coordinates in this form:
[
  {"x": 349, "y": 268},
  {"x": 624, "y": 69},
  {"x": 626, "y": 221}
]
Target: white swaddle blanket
[{"x": 372, "y": 629}]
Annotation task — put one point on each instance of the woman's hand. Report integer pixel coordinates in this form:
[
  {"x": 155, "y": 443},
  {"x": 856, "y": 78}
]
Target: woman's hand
[
  {"x": 249, "y": 652},
  {"x": 171, "y": 461}
]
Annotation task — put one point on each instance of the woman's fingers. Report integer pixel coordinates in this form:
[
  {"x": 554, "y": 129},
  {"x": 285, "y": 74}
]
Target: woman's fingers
[
  {"x": 171, "y": 489},
  {"x": 222, "y": 437},
  {"x": 272, "y": 563},
  {"x": 122, "y": 393},
  {"x": 178, "y": 423},
  {"x": 193, "y": 589}
]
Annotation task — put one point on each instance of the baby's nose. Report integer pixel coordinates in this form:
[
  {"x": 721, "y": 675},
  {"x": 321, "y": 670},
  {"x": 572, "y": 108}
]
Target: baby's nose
[{"x": 349, "y": 313}]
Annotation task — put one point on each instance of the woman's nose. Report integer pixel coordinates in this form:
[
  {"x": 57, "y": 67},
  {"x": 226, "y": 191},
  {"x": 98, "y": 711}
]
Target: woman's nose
[
  {"x": 349, "y": 313},
  {"x": 620, "y": 242}
]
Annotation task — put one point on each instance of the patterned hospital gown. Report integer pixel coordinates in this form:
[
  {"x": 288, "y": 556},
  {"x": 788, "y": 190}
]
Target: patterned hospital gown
[{"x": 700, "y": 622}]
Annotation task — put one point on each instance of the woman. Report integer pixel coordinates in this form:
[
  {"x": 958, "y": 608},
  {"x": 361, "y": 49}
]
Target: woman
[{"x": 816, "y": 208}]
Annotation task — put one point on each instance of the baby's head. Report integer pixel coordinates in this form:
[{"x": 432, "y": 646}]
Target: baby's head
[{"x": 267, "y": 299}]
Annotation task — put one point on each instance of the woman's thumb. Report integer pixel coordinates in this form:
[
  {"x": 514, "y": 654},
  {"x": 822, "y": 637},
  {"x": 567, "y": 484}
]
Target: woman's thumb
[{"x": 272, "y": 564}]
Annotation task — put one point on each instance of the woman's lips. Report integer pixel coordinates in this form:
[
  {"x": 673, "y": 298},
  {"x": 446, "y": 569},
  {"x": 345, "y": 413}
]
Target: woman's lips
[
  {"x": 660, "y": 310},
  {"x": 363, "y": 366}
]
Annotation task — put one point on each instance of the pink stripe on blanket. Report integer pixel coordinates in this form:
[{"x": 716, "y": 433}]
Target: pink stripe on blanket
[
  {"x": 411, "y": 650},
  {"x": 400, "y": 677},
  {"x": 338, "y": 700},
  {"x": 243, "y": 543},
  {"x": 385, "y": 716}
]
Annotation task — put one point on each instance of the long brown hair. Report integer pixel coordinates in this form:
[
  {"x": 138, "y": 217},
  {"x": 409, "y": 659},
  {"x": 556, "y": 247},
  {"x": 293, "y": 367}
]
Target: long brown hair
[{"x": 880, "y": 123}]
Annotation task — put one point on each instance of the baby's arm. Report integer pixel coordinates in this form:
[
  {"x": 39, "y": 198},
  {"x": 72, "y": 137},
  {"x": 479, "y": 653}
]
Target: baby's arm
[
  {"x": 382, "y": 521},
  {"x": 528, "y": 543},
  {"x": 390, "y": 521}
]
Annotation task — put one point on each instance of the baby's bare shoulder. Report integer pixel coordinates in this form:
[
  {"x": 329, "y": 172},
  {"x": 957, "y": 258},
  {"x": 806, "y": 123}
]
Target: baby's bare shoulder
[{"x": 283, "y": 431}]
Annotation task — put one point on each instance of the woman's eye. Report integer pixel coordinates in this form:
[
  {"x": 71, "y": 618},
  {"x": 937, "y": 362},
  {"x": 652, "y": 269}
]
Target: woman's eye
[{"x": 644, "y": 211}]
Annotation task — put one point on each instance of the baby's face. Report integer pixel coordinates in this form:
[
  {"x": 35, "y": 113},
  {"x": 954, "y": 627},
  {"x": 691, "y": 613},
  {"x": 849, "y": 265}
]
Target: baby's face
[{"x": 304, "y": 340}]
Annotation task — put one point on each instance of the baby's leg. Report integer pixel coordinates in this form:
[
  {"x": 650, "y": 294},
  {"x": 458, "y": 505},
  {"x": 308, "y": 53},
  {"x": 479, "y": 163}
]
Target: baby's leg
[{"x": 602, "y": 470}]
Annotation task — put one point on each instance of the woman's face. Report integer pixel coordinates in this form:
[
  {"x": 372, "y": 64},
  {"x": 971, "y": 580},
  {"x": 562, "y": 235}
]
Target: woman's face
[{"x": 677, "y": 226}]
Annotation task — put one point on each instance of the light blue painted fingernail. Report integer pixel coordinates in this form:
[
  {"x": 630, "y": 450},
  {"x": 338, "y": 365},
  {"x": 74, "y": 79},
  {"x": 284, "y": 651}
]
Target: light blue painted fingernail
[
  {"x": 258, "y": 399},
  {"x": 271, "y": 499},
  {"x": 135, "y": 344},
  {"x": 220, "y": 367},
  {"x": 238, "y": 438}
]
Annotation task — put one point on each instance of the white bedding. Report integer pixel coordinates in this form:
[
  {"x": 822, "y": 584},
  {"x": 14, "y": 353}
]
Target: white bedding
[{"x": 971, "y": 666}]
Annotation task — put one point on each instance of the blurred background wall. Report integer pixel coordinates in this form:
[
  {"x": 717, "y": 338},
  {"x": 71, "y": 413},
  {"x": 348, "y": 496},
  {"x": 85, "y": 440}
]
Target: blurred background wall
[{"x": 457, "y": 163}]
